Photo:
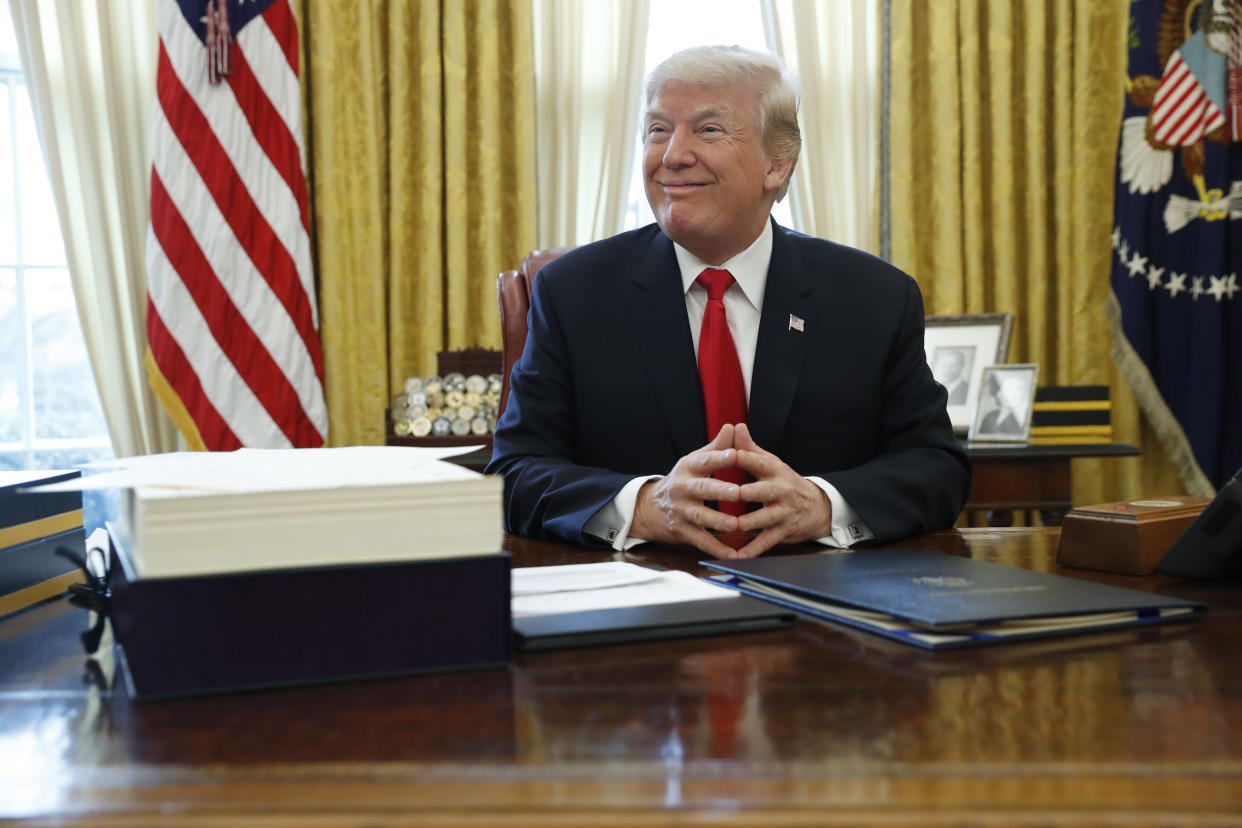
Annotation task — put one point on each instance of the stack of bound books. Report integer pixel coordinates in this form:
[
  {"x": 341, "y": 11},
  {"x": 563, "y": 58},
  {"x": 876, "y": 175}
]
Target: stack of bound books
[{"x": 1072, "y": 415}]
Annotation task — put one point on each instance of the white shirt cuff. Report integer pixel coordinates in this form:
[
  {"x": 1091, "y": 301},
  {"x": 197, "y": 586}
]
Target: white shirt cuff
[
  {"x": 613, "y": 521},
  {"x": 847, "y": 527}
]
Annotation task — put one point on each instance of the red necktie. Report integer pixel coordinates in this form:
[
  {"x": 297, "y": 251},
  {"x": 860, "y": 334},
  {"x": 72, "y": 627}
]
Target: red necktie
[{"x": 724, "y": 393}]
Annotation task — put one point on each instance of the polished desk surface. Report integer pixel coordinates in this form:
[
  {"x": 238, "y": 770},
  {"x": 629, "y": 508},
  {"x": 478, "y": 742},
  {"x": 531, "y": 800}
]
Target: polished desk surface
[{"x": 815, "y": 725}]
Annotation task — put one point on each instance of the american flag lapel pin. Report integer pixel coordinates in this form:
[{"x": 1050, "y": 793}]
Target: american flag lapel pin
[{"x": 796, "y": 323}]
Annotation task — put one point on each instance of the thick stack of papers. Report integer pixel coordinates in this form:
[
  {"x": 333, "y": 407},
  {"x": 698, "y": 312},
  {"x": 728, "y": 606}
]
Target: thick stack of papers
[{"x": 194, "y": 513}]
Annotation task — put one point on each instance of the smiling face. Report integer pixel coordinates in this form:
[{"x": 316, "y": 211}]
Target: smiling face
[
  {"x": 708, "y": 180},
  {"x": 1012, "y": 393}
]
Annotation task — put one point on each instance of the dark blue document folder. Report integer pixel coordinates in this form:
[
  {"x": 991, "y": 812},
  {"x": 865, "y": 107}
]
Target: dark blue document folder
[{"x": 936, "y": 601}]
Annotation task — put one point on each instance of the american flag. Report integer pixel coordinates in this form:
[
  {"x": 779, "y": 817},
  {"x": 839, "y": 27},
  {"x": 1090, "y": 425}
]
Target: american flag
[
  {"x": 232, "y": 328},
  {"x": 1177, "y": 250},
  {"x": 1182, "y": 112}
]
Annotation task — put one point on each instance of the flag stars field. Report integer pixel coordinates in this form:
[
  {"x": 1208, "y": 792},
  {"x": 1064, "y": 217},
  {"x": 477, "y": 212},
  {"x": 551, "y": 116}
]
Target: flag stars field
[
  {"x": 1176, "y": 284},
  {"x": 1221, "y": 288},
  {"x": 1155, "y": 277}
]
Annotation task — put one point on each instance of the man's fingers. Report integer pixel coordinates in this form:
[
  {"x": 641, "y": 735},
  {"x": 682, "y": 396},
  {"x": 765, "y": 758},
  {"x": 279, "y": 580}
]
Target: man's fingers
[
  {"x": 709, "y": 488},
  {"x": 764, "y": 518},
  {"x": 702, "y": 517},
  {"x": 709, "y": 461},
  {"x": 723, "y": 439},
  {"x": 710, "y": 544},
  {"x": 759, "y": 463},
  {"x": 762, "y": 543},
  {"x": 742, "y": 438},
  {"x": 761, "y": 491}
]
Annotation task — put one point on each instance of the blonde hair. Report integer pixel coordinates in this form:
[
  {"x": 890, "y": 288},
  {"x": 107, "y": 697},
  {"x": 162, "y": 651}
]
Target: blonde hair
[{"x": 777, "y": 88}]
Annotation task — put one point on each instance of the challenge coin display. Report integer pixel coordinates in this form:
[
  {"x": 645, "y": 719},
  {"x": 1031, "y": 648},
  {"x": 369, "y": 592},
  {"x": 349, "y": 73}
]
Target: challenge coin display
[{"x": 454, "y": 405}]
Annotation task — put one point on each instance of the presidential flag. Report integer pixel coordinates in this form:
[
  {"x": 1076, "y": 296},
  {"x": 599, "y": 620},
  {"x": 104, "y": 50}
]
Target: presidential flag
[
  {"x": 232, "y": 327},
  {"x": 1176, "y": 305}
]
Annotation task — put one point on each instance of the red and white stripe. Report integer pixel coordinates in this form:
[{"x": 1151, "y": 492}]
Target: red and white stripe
[
  {"x": 232, "y": 323},
  {"x": 1182, "y": 113},
  {"x": 1233, "y": 77}
]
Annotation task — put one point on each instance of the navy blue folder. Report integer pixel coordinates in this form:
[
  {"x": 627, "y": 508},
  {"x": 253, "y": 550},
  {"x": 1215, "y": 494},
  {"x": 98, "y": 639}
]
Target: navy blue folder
[{"x": 936, "y": 601}]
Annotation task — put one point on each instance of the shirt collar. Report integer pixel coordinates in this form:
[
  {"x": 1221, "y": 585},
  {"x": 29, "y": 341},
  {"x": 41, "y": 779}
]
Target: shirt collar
[{"x": 749, "y": 268}]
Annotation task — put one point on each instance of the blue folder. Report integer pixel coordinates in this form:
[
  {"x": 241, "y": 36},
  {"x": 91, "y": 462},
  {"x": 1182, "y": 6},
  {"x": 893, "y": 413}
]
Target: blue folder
[{"x": 939, "y": 601}]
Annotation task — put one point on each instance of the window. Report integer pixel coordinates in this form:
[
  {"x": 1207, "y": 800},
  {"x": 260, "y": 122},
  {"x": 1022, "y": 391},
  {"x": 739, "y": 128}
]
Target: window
[
  {"x": 50, "y": 414},
  {"x": 680, "y": 25}
]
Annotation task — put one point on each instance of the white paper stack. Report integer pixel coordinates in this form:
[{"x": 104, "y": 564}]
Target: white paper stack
[{"x": 194, "y": 513}]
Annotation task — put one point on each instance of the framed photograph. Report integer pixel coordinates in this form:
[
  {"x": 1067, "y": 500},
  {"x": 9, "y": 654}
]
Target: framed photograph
[
  {"x": 1006, "y": 397},
  {"x": 958, "y": 349}
]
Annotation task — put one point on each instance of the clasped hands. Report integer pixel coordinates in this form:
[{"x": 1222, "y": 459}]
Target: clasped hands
[{"x": 672, "y": 509}]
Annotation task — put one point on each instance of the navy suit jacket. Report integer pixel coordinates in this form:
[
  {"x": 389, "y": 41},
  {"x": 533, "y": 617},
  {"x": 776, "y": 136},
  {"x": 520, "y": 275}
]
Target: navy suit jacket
[{"x": 607, "y": 387}]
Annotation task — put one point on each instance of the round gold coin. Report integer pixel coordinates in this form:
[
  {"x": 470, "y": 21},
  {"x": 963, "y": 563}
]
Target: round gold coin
[
  {"x": 421, "y": 427},
  {"x": 434, "y": 411},
  {"x": 416, "y": 411},
  {"x": 413, "y": 384},
  {"x": 474, "y": 398},
  {"x": 402, "y": 427},
  {"x": 454, "y": 398},
  {"x": 433, "y": 385},
  {"x": 435, "y": 399}
]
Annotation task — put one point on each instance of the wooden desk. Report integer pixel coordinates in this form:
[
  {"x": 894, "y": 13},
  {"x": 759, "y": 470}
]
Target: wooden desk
[
  {"x": 816, "y": 725},
  {"x": 1029, "y": 478}
]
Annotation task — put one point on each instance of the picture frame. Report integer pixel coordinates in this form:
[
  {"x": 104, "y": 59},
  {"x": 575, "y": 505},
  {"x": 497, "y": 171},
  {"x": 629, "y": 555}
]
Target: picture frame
[
  {"x": 1006, "y": 402},
  {"x": 958, "y": 348}
]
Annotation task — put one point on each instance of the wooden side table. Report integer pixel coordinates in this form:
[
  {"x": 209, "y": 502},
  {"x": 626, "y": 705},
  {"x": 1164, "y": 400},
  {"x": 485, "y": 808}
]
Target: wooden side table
[{"x": 1029, "y": 478}]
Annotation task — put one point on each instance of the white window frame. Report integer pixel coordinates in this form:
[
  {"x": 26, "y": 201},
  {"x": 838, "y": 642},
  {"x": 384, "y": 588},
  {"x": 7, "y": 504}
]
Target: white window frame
[{"x": 28, "y": 447}]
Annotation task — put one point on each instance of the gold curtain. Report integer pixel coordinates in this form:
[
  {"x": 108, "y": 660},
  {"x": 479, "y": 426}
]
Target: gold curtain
[
  {"x": 1003, "y": 120},
  {"x": 421, "y": 153}
]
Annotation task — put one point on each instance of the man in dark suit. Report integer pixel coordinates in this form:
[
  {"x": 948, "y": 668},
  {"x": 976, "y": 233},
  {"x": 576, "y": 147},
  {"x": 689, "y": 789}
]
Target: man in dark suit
[{"x": 811, "y": 399}]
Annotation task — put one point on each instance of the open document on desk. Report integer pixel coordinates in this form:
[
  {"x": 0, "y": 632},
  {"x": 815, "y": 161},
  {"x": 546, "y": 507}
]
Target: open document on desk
[{"x": 579, "y": 605}]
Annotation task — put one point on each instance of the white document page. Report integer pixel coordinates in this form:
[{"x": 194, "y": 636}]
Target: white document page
[
  {"x": 551, "y": 590},
  {"x": 259, "y": 470}
]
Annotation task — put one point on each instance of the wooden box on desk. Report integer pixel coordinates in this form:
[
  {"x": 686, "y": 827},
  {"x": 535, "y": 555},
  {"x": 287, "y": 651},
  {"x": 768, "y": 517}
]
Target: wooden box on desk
[
  {"x": 1128, "y": 537},
  {"x": 201, "y": 634}
]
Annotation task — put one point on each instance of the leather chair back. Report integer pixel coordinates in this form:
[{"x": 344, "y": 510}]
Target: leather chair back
[{"x": 513, "y": 292}]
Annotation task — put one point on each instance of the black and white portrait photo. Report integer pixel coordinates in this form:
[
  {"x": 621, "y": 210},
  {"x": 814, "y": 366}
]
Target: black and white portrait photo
[
  {"x": 1005, "y": 403},
  {"x": 951, "y": 368}
]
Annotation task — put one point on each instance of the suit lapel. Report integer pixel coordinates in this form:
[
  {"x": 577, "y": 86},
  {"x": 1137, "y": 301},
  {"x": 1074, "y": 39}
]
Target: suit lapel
[
  {"x": 781, "y": 349},
  {"x": 657, "y": 308}
]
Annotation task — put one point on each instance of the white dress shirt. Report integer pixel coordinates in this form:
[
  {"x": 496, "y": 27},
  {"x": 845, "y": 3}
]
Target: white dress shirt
[{"x": 743, "y": 303}]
